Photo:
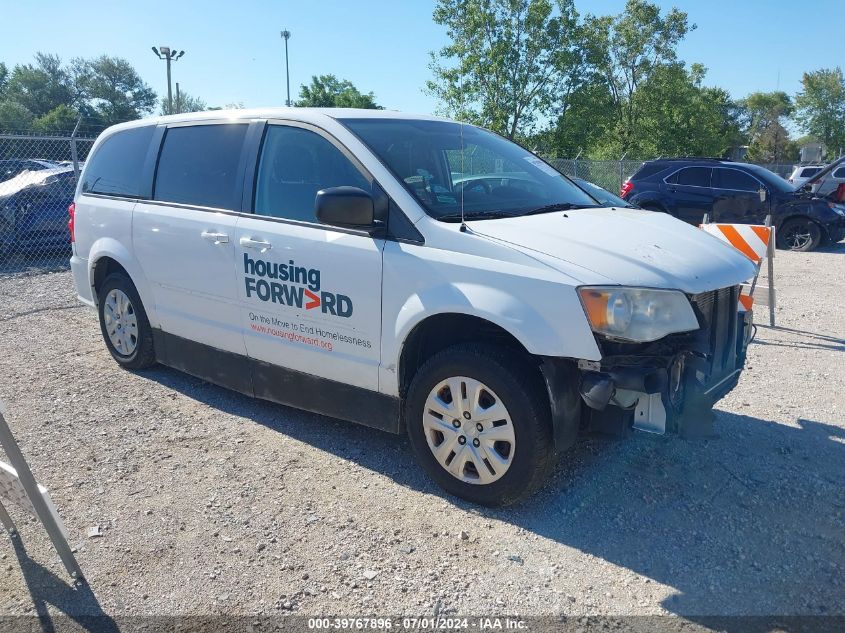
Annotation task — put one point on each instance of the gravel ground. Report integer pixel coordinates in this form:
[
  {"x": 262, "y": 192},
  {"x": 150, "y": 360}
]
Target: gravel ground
[{"x": 210, "y": 502}]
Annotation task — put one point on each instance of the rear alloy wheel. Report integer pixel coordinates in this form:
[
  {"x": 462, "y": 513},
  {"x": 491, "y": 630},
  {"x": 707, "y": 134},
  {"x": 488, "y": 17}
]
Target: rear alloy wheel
[
  {"x": 799, "y": 234},
  {"x": 124, "y": 324},
  {"x": 121, "y": 322},
  {"x": 479, "y": 421}
]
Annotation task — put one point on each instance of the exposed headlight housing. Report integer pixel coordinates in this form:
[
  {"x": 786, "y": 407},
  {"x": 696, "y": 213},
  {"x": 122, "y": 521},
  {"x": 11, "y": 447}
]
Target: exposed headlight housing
[{"x": 638, "y": 315}]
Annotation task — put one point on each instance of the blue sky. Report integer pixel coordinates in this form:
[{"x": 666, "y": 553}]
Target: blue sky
[{"x": 234, "y": 52}]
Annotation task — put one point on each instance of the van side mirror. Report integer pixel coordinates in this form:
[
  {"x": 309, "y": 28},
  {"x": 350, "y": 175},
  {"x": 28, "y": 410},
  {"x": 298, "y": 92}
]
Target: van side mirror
[
  {"x": 349, "y": 207},
  {"x": 762, "y": 193}
]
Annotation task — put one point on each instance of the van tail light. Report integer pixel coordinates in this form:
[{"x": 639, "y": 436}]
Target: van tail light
[
  {"x": 71, "y": 221},
  {"x": 627, "y": 187}
]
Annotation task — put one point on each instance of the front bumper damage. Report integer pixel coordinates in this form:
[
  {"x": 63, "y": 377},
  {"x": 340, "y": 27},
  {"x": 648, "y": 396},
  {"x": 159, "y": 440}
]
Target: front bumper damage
[{"x": 669, "y": 385}]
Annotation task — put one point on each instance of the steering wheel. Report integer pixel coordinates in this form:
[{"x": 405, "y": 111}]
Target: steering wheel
[{"x": 470, "y": 185}]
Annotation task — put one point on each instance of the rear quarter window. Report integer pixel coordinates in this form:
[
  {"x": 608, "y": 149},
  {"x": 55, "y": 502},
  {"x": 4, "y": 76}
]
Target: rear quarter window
[
  {"x": 839, "y": 173},
  {"x": 117, "y": 166},
  {"x": 648, "y": 169},
  {"x": 198, "y": 165}
]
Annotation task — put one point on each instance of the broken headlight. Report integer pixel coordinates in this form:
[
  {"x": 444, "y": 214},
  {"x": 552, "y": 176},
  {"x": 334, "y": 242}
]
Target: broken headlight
[{"x": 637, "y": 314}]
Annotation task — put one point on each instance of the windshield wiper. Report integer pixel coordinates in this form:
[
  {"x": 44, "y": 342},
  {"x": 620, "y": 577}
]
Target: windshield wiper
[
  {"x": 475, "y": 215},
  {"x": 559, "y": 206}
]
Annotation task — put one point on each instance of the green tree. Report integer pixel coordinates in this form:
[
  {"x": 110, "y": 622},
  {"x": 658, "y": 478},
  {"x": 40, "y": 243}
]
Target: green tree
[
  {"x": 626, "y": 50},
  {"x": 14, "y": 117},
  {"x": 4, "y": 79},
  {"x": 584, "y": 121},
  {"x": 820, "y": 107},
  {"x": 42, "y": 86},
  {"x": 112, "y": 89},
  {"x": 327, "y": 91},
  {"x": 184, "y": 103},
  {"x": 508, "y": 62},
  {"x": 764, "y": 114},
  {"x": 60, "y": 119},
  {"x": 680, "y": 117}
]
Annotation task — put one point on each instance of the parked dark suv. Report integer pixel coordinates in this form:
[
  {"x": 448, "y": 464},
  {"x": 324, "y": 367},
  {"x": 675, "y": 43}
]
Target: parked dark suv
[{"x": 742, "y": 193}]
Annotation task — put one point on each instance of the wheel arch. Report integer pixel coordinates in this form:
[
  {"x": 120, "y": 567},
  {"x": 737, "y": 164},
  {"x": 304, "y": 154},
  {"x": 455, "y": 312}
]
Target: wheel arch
[
  {"x": 108, "y": 256},
  {"x": 439, "y": 331}
]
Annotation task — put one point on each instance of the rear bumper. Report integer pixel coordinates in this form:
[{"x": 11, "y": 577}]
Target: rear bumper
[{"x": 81, "y": 280}]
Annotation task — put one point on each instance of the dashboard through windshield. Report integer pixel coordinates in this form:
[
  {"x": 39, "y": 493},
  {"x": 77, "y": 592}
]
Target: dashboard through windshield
[{"x": 450, "y": 168}]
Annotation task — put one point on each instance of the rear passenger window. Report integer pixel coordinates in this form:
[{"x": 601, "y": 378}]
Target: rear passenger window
[
  {"x": 118, "y": 164},
  {"x": 295, "y": 164},
  {"x": 694, "y": 176},
  {"x": 839, "y": 173},
  {"x": 810, "y": 171},
  {"x": 734, "y": 179},
  {"x": 199, "y": 165}
]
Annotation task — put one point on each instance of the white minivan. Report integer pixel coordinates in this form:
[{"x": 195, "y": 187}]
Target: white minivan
[{"x": 409, "y": 273}]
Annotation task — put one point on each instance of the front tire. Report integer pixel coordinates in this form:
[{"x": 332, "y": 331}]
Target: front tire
[
  {"x": 492, "y": 442},
  {"x": 124, "y": 324},
  {"x": 799, "y": 234}
]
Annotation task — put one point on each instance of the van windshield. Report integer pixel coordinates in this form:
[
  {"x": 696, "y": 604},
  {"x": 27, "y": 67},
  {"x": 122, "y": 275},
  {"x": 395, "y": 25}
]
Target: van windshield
[{"x": 446, "y": 165}]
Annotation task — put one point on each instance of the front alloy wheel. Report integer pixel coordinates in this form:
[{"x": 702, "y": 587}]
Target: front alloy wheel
[
  {"x": 479, "y": 421},
  {"x": 799, "y": 235},
  {"x": 469, "y": 430}
]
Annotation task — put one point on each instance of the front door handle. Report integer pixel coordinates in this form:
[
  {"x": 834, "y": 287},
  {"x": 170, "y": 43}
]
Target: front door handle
[
  {"x": 261, "y": 245},
  {"x": 217, "y": 238}
]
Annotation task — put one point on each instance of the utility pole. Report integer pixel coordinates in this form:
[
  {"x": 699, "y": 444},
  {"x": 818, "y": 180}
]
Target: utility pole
[
  {"x": 286, "y": 37},
  {"x": 169, "y": 55},
  {"x": 178, "y": 100}
]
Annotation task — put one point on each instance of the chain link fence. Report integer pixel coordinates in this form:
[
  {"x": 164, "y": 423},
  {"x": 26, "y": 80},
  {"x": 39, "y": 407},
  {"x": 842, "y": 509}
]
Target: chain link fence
[{"x": 37, "y": 181}]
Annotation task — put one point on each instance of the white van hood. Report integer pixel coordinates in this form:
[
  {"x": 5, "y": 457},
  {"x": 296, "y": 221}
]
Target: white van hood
[{"x": 624, "y": 246}]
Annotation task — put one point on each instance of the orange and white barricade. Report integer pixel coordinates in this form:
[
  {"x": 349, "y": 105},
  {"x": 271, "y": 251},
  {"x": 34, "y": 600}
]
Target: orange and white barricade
[{"x": 756, "y": 242}]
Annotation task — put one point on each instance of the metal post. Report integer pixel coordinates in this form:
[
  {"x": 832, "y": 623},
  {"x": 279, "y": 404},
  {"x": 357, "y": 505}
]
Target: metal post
[
  {"x": 169, "y": 91},
  {"x": 621, "y": 176},
  {"x": 178, "y": 103},
  {"x": 73, "y": 154},
  {"x": 16, "y": 458},
  {"x": 576, "y": 162},
  {"x": 7, "y": 522},
  {"x": 286, "y": 37},
  {"x": 770, "y": 255}
]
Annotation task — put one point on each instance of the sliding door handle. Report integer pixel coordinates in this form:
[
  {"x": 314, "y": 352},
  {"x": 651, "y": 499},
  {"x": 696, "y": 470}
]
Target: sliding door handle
[{"x": 217, "y": 238}]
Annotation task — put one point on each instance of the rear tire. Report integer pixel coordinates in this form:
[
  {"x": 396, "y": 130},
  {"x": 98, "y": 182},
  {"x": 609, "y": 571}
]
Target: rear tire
[
  {"x": 799, "y": 234},
  {"x": 507, "y": 452},
  {"x": 124, "y": 324}
]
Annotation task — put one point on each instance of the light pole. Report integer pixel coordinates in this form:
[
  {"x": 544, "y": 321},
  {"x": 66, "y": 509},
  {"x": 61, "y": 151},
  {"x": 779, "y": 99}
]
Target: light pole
[
  {"x": 286, "y": 37},
  {"x": 169, "y": 55}
]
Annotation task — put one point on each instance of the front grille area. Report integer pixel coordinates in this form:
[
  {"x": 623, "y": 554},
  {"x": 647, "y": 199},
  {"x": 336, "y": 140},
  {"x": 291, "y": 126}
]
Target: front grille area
[{"x": 717, "y": 310}]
